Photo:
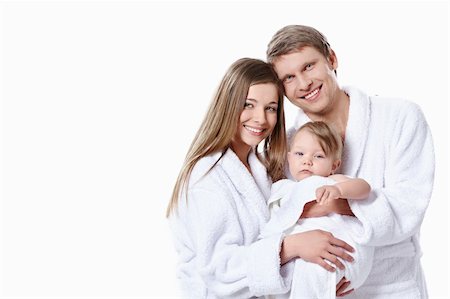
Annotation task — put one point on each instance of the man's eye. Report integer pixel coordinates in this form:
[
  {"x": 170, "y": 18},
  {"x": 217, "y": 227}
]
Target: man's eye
[{"x": 288, "y": 79}]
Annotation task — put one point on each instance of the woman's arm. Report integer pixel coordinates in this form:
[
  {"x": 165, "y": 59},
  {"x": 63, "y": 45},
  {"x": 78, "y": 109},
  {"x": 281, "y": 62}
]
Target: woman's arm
[{"x": 216, "y": 251}]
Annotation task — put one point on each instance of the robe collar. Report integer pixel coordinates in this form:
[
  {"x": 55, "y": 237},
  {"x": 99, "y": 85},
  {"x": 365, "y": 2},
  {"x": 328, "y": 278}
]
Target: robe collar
[{"x": 356, "y": 133}]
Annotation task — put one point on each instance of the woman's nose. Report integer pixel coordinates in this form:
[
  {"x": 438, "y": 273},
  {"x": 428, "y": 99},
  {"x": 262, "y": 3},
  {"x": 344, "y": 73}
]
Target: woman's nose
[{"x": 259, "y": 116}]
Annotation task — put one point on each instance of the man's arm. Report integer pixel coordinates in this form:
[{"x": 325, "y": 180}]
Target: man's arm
[
  {"x": 313, "y": 209},
  {"x": 394, "y": 211}
]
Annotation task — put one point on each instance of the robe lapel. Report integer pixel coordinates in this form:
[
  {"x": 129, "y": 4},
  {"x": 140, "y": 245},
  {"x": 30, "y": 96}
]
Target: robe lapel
[
  {"x": 356, "y": 133},
  {"x": 246, "y": 184}
]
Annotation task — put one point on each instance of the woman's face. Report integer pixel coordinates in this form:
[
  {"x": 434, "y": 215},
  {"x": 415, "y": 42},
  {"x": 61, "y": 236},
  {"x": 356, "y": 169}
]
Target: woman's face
[{"x": 259, "y": 117}]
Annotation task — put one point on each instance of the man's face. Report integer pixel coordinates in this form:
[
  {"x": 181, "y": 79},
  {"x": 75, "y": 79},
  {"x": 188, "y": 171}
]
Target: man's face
[{"x": 309, "y": 80}]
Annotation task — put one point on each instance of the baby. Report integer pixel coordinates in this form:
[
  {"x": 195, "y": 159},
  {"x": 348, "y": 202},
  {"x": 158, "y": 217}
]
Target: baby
[{"x": 314, "y": 156}]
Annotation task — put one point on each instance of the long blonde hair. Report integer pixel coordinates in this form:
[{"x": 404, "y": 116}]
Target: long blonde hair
[{"x": 220, "y": 123}]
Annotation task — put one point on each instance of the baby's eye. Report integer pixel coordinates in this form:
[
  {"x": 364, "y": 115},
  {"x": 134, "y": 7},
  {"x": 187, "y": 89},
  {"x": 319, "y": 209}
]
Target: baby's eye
[
  {"x": 298, "y": 154},
  {"x": 320, "y": 156}
]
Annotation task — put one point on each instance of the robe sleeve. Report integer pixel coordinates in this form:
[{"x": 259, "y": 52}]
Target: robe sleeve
[
  {"x": 212, "y": 246},
  {"x": 395, "y": 212}
]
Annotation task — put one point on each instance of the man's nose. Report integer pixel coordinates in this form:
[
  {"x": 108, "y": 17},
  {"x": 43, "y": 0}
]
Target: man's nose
[{"x": 303, "y": 83}]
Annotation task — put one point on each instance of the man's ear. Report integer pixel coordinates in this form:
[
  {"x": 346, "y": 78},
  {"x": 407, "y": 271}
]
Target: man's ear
[
  {"x": 332, "y": 60},
  {"x": 335, "y": 166}
]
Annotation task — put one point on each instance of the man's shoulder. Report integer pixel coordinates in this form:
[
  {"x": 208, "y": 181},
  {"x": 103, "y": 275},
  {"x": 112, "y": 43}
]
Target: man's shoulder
[{"x": 391, "y": 101}]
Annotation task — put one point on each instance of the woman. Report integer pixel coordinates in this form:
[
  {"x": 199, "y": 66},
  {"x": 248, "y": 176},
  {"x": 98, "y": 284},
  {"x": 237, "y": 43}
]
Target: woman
[{"x": 218, "y": 206}]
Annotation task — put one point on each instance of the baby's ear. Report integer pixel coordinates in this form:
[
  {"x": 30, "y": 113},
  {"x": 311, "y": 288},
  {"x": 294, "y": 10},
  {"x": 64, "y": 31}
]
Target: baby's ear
[{"x": 335, "y": 166}]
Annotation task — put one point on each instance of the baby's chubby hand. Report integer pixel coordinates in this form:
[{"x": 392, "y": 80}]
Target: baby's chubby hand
[{"x": 327, "y": 193}]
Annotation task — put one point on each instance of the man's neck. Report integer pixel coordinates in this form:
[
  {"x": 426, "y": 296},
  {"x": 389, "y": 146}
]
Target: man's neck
[{"x": 337, "y": 115}]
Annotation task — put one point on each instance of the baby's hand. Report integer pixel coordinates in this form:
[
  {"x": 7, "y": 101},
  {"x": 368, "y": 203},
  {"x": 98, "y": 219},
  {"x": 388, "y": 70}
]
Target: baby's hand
[{"x": 327, "y": 193}]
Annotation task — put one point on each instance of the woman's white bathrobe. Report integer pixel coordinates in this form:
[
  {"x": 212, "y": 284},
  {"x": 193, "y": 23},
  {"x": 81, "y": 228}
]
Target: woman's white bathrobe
[
  {"x": 216, "y": 232},
  {"x": 388, "y": 143}
]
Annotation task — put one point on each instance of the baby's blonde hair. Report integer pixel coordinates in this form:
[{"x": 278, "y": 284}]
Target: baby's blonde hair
[{"x": 327, "y": 136}]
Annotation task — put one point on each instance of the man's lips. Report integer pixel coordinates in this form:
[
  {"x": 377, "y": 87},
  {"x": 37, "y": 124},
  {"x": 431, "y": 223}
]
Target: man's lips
[{"x": 312, "y": 94}]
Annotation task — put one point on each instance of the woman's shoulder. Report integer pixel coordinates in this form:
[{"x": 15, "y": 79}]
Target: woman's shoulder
[{"x": 203, "y": 172}]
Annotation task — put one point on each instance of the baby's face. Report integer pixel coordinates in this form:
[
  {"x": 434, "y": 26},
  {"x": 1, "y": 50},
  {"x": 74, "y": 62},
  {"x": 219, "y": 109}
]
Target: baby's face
[{"x": 306, "y": 157}]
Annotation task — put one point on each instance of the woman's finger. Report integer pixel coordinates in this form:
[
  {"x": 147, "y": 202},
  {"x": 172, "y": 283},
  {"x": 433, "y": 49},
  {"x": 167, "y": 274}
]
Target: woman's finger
[
  {"x": 341, "y": 253},
  {"x": 334, "y": 260},
  {"x": 337, "y": 242},
  {"x": 325, "y": 265}
]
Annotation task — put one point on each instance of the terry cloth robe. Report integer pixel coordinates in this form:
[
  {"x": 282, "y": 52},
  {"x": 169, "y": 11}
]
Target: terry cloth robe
[
  {"x": 388, "y": 143},
  {"x": 216, "y": 229},
  {"x": 309, "y": 279}
]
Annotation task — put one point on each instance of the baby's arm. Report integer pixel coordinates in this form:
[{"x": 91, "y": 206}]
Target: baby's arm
[{"x": 345, "y": 187}]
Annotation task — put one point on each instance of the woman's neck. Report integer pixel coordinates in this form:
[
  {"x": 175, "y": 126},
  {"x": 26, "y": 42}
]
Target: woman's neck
[{"x": 242, "y": 151}]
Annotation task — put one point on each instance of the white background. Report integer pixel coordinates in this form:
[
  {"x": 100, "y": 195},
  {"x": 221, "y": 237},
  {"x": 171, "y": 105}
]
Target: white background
[{"x": 100, "y": 101}]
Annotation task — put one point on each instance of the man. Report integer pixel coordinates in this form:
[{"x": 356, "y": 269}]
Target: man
[{"x": 386, "y": 141}]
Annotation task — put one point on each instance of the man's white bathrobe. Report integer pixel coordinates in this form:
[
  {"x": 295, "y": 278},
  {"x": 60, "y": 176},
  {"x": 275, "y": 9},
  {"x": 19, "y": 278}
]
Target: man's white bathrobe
[
  {"x": 388, "y": 143},
  {"x": 216, "y": 232}
]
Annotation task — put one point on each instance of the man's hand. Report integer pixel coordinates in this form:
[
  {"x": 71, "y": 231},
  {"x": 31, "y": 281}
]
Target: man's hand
[
  {"x": 341, "y": 286},
  {"x": 339, "y": 206}
]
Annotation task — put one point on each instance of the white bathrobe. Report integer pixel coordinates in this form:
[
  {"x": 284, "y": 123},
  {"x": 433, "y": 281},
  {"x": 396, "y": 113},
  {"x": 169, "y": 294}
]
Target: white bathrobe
[
  {"x": 216, "y": 232},
  {"x": 388, "y": 143},
  {"x": 310, "y": 280}
]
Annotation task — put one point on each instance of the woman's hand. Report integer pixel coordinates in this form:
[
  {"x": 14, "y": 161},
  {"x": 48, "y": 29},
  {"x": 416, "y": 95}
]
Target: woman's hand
[{"x": 316, "y": 246}]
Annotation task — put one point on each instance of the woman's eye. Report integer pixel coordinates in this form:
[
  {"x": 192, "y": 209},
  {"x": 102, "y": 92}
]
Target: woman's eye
[
  {"x": 272, "y": 109},
  {"x": 248, "y": 105},
  {"x": 308, "y": 66}
]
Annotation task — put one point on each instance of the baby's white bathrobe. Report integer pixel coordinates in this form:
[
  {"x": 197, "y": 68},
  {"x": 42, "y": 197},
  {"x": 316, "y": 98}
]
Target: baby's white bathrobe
[
  {"x": 309, "y": 279},
  {"x": 216, "y": 231},
  {"x": 389, "y": 144}
]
